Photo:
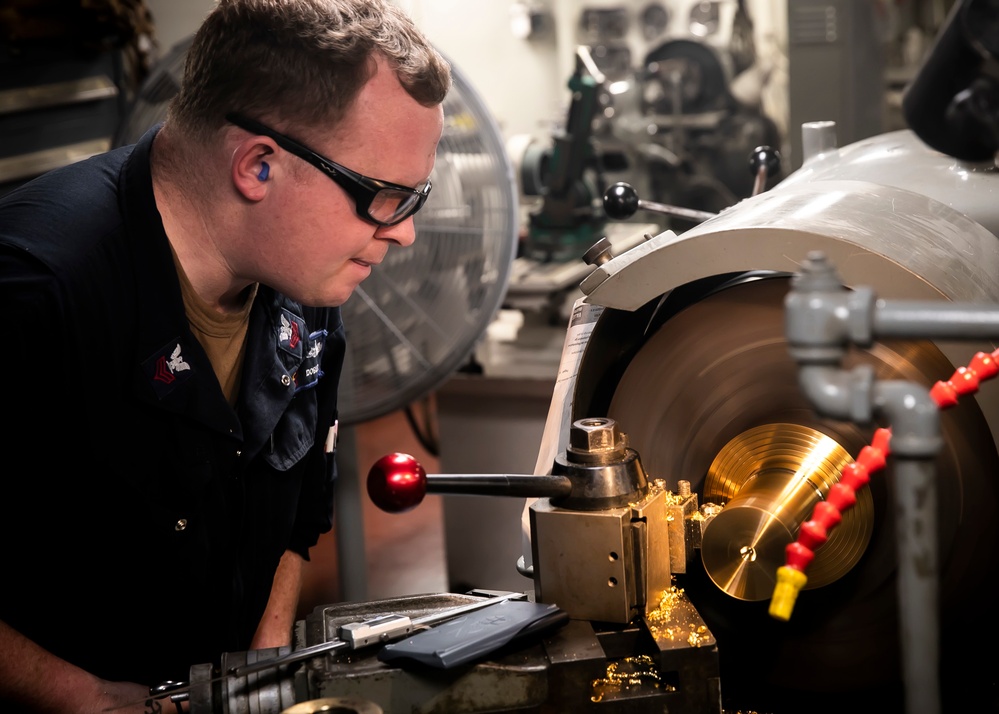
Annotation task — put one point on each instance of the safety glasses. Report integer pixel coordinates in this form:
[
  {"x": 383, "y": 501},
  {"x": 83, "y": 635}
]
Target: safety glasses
[{"x": 381, "y": 202}]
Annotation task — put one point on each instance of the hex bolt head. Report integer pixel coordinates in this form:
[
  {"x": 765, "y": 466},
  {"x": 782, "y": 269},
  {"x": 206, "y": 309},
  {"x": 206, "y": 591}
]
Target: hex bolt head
[{"x": 595, "y": 435}]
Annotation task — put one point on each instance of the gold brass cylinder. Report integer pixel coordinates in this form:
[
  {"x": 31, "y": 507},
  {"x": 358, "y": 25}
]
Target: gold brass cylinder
[{"x": 769, "y": 479}]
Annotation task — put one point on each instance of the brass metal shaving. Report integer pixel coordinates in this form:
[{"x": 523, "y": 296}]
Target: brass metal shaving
[
  {"x": 676, "y": 619},
  {"x": 628, "y": 674}
]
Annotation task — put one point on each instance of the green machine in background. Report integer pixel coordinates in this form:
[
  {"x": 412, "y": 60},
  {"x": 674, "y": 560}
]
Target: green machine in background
[{"x": 568, "y": 176}]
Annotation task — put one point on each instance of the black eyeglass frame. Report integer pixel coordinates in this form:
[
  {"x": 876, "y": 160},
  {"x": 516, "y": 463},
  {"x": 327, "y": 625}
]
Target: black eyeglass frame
[{"x": 362, "y": 189}]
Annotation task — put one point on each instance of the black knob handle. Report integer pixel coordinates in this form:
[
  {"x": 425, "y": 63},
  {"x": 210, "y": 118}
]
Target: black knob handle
[
  {"x": 764, "y": 157},
  {"x": 621, "y": 201}
]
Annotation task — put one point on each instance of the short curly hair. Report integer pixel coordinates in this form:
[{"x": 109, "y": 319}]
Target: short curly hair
[{"x": 299, "y": 61}]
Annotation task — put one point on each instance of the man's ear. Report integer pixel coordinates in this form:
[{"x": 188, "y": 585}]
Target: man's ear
[{"x": 251, "y": 168}]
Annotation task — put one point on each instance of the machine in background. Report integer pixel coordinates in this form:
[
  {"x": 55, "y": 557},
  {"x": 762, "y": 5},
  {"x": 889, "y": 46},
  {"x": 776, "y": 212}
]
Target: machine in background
[
  {"x": 651, "y": 101},
  {"x": 667, "y": 115}
]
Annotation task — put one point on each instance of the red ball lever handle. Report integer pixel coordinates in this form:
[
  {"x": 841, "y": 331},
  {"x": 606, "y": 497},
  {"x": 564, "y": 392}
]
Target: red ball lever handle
[{"x": 398, "y": 482}]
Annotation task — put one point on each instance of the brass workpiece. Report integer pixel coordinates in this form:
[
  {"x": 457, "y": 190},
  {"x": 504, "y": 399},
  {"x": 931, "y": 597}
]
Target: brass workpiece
[{"x": 770, "y": 477}]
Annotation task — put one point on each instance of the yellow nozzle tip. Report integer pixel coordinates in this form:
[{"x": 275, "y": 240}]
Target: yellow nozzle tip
[{"x": 789, "y": 584}]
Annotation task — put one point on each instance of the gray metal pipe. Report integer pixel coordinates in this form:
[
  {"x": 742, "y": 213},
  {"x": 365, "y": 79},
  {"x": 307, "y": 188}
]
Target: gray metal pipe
[
  {"x": 918, "y": 583},
  {"x": 822, "y": 319},
  {"x": 934, "y": 320},
  {"x": 916, "y": 440}
]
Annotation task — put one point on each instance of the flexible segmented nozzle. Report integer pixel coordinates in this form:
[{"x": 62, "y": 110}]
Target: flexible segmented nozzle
[
  {"x": 826, "y": 515},
  {"x": 791, "y": 578}
]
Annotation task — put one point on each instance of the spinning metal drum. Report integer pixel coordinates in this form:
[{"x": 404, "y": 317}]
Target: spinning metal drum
[{"x": 690, "y": 359}]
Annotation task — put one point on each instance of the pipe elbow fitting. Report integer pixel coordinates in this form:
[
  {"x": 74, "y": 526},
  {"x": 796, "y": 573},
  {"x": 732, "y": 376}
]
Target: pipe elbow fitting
[
  {"x": 839, "y": 393},
  {"x": 914, "y": 417}
]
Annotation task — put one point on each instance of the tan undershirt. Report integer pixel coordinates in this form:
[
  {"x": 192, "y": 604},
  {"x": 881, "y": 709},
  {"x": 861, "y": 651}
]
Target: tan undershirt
[{"x": 222, "y": 335}]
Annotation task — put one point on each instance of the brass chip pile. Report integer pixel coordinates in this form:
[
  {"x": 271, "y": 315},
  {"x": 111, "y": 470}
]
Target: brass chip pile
[
  {"x": 656, "y": 487},
  {"x": 659, "y": 619},
  {"x": 672, "y": 499},
  {"x": 628, "y": 673}
]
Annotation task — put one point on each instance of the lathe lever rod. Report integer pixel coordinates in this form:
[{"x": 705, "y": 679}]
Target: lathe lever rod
[
  {"x": 519, "y": 485},
  {"x": 398, "y": 482}
]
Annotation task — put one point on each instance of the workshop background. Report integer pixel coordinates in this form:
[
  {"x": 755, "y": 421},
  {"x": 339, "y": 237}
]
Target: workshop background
[
  {"x": 517, "y": 59},
  {"x": 562, "y": 97},
  {"x": 68, "y": 85}
]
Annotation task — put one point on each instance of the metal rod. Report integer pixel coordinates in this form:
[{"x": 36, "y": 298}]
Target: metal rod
[
  {"x": 690, "y": 213},
  {"x": 517, "y": 485},
  {"x": 759, "y": 181},
  {"x": 918, "y": 587},
  {"x": 348, "y": 521},
  {"x": 935, "y": 319}
]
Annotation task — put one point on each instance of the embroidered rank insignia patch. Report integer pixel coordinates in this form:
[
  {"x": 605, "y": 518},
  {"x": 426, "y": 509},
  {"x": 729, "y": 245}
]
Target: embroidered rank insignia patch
[
  {"x": 167, "y": 368},
  {"x": 311, "y": 368},
  {"x": 291, "y": 331}
]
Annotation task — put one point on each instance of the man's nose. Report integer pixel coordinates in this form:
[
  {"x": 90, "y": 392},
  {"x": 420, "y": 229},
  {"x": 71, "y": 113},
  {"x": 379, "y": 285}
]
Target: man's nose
[{"x": 403, "y": 233}]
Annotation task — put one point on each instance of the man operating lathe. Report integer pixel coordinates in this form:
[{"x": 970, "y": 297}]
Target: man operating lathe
[{"x": 173, "y": 342}]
